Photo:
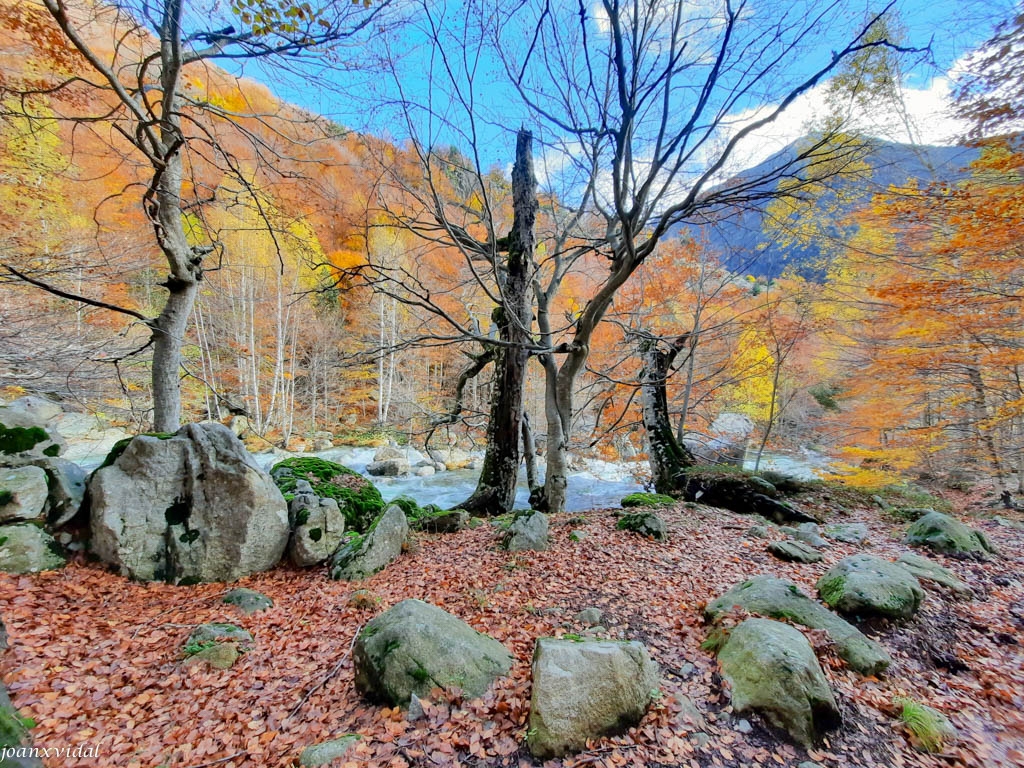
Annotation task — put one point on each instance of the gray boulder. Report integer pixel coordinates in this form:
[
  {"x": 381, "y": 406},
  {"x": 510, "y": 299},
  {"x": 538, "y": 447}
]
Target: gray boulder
[
  {"x": 772, "y": 670},
  {"x": 327, "y": 752},
  {"x": 388, "y": 468},
  {"x": 23, "y": 494},
  {"x": 189, "y": 508},
  {"x": 414, "y": 647},
  {"x": 947, "y": 535},
  {"x": 781, "y": 599},
  {"x": 219, "y": 632},
  {"x": 926, "y": 570},
  {"x": 25, "y": 436},
  {"x": 644, "y": 523},
  {"x": 451, "y": 521},
  {"x": 865, "y": 585},
  {"x": 848, "y": 533},
  {"x": 27, "y": 548},
  {"x": 807, "y": 533},
  {"x": 364, "y": 555},
  {"x": 66, "y": 482},
  {"x": 247, "y": 600},
  {"x": 452, "y": 458},
  {"x": 527, "y": 532},
  {"x": 585, "y": 690},
  {"x": 389, "y": 452},
  {"x": 317, "y": 528},
  {"x": 794, "y": 552}
]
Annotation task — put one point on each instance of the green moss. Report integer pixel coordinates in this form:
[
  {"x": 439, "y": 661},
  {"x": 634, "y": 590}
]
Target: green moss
[
  {"x": 119, "y": 447},
  {"x": 19, "y": 439},
  {"x": 302, "y": 517},
  {"x": 419, "y": 673},
  {"x": 647, "y": 500},
  {"x": 358, "y": 499},
  {"x": 192, "y": 647},
  {"x": 52, "y": 451},
  {"x": 408, "y": 505},
  {"x": 831, "y": 590},
  {"x": 316, "y": 534},
  {"x": 13, "y": 727},
  {"x": 188, "y": 537},
  {"x": 715, "y": 640},
  {"x": 6, "y": 497}
]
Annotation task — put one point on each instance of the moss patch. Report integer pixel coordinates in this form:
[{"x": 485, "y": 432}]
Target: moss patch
[
  {"x": 358, "y": 499},
  {"x": 19, "y": 439},
  {"x": 652, "y": 500}
]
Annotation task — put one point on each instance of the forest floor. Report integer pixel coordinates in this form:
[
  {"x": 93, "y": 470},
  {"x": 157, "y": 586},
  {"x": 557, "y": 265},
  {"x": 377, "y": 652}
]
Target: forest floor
[{"x": 97, "y": 659}]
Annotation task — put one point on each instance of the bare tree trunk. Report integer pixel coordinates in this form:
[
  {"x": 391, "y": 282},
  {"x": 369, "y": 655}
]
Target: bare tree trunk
[
  {"x": 666, "y": 455},
  {"x": 496, "y": 489},
  {"x": 530, "y": 456}
]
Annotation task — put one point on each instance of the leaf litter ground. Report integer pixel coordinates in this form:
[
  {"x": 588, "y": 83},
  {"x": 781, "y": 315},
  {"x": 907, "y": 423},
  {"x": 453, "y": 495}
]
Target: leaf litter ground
[{"x": 96, "y": 659}]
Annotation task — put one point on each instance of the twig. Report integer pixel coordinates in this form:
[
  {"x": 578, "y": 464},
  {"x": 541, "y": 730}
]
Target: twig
[
  {"x": 334, "y": 670},
  {"x": 220, "y": 760},
  {"x": 176, "y": 608}
]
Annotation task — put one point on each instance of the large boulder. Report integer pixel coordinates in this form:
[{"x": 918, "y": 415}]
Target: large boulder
[
  {"x": 781, "y": 599},
  {"x": 26, "y": 437},
  {"x": 528, "y": 531},
  {"x": 926, "y": 570},
  {"x": 187, "y": 508},
  {"x": 947, "y": 535},
  {"x": 23, "y": 494},
  {"x": 772, "y": 670},
  {"x": 27, "y": 548},
  {"x": 358, "y": 499},
  {"x": 452, "y": 458},
  {"x": 414, "y": 647},
  {"x": 362, "y": 556},
  {"x": 645, "y": 523},
  {"x": 317, "y": 528},
  {"x": 741, "y": 492},
  {"x": 585, "y": 690},
  {"x": 868, "y": 586},
  {"x": 388, "y": 468}
]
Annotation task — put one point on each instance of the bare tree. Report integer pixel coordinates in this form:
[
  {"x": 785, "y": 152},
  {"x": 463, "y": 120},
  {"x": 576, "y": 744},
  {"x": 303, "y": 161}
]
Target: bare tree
[{"x": 138, "y": 87}]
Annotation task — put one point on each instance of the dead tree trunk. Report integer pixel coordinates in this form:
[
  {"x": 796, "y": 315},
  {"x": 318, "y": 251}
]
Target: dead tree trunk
[
  {"x": 496, "y": 488},
  {"x": 667, "y": 456}
]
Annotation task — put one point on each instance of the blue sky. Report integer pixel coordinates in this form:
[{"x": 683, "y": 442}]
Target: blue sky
[{"x": 354, "y": 99}]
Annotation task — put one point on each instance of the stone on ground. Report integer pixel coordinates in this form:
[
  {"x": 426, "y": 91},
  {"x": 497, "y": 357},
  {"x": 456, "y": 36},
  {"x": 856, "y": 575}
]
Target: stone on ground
[
  {"x": 590, "y": 616},
  {"x": 364, "y": 555},
  {"x": 947, "y": 535},
  {"x": 27, "y": 548},
  {"x": 772, "y": 670},
  {"x": 208, "y": 633},
  {"x": 218, "y": 656},
  {"x": 23, "y": 494},
  {"x": 388, "y": 468},
  {"x": 66, "y": 483},
  {"x": 807, "y": 533},
  {"x": 187, "y": 508},
  {"x": 528, "y": 531},
  {"x": 781, "y": 599},
  {"x": 414, "y": 647},
  {"x": 452, "y": 521},
  {"x": 848, "y": 533},
  {"x": 644, "y": 523},
  {"x": 794, "y": 552},
  {"x": 318, "y": 527},
  {"x": 927, "y": 570},
  {"x": 327, "y": 752},
  {"x": 585, "y": 690},
  {"x": 868, "y": 586},
  {"x": 248, "y": 600}
]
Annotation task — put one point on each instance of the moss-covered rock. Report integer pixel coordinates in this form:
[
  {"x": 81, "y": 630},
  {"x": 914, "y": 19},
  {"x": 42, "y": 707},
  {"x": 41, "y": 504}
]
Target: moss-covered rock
[
  {"x": 781, "y": 599},
  {"x": 648, "y": 500},
  {"x": 794, "y": 552},
  {"x": 739, "y": 491},
  {"x": 25, "y": 437},
  {"x": 926, "y": 570},
  {"x": 414, "y": 647},
  {"x": 362, "y": 556},
  {"x": 528, "y": 531},
  {"x": 865, "y": 585},
  {"x": 327, "y": 752},
  {"x": 441, "y": 521},
  {"x": 248, "y": 600},
  {"x": 644, "y": 523},
  {"x": 772, "y": 670},
  {"x": 27, "y": 548},
  {"x": 359, "y": 500},
  {"x": 949, "y": 536}
]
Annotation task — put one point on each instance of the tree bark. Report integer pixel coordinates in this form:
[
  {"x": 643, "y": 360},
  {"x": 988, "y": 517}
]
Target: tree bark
[
  {"x": 667, "y": 456},
  {"x": 496, "y": 489}
]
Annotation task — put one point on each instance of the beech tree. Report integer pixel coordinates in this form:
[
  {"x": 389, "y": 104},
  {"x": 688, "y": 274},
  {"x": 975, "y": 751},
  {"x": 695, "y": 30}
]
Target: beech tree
[{"x": 140, "y": 88}]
